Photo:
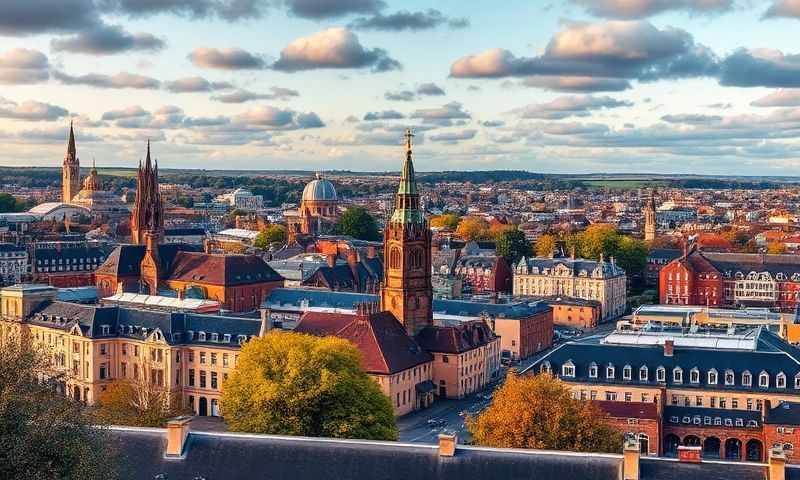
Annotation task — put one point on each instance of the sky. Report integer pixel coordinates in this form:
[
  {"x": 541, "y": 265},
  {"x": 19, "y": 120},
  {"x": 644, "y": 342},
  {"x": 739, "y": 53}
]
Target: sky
[{"x": 567, "y": 86}]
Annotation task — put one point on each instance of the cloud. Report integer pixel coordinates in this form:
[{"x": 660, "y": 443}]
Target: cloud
[
  {"x": 492, "y": 123},
  {"x": 453, "y": 137},
  {"x": 400, "y": 96},
  {"x": 23, "y": 66},
  {"x": 322, "y": 9},
  {"x": 333, "y": 48},
  {"x": 47, "y": 16},
  {"x": 616, "y": 49},
  {"x": 120, "y": 80},
  {"x": 760, "y": 68},
  {"x": 230, "y": 10},
  {"x": 779, "y": 98},
  {"x": 406, "y": 20},
  {"x": 573, "y": 128},
  {"x": 572, "y": 106},
  {"x": 242, "y": 96},
  {"x": 195, "y": 84},
  {"x": 128, "y": 112},
  {"x": 783, "y": 8},
  {"x": 165, "y": 118},
  {"x": 31, "y": 110},
  {"x": 430, "y": 89},
  {"x": 267, "y": 116},
  {"x": 225, "y": 59},
  {"x": 578, "y": 84},
  {"x": 630, "y": 9},
  {"x": 442, "y": 115},
  {"x": 692, "y": 118},
  {"x": 384, "y": 115},
  {"x": 107, "y": 40}
]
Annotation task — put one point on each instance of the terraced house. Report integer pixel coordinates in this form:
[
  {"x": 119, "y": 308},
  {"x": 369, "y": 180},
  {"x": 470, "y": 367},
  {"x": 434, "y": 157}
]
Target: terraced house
[{"x": 732, "y": 393}]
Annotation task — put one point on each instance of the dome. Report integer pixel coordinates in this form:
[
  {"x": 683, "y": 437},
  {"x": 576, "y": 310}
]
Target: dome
[{"x": 319, "y": 190}]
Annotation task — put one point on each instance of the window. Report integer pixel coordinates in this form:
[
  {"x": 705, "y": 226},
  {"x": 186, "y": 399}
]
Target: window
[
  {"x": 698, "y": 401},
  {"x": 626, "y": 372},
  {"x": 729, "y": 377},
  {"x": 717, "y": 421},
  {"x": 593, "y": 371},
  {"x": 545, "y": 368},
  {"x": 191, "y": 377},
  {"x": 677, "y": 375},
  {"x": 103, "y": 350},
  {"x": 610, "y": 371},
  {"x": 593, "y": 395},
  {"x": 734, "y": 403},
  {"x": 747, "y": 379},
  {"x": 763, "y": 380},
  {"x": 124, "y": 348},
  {"x": 643, "y": 374},
  {"x": 214, "y": 380},
  {"x": 722, "y": 402},
  {"x": 694, "y": 375},
  {"x": 224, "y": 359},
  {"x": 213, "y": 359},
  {"x": 797, "y": 381},
  {"x": 611, "y": 396},
  {"x": 712, "y": 377},
  {"x": 780, "y": 380},
  {"x": 201, "y": 336},
  {"x": 102, "y": 371},
  {"x": 202, "y": 379},
  {"x": 661, "y": 374},
  {"x": 123, "y": 369},
  {"x": 568, "y": 370},
  {"x": 202, "y": 358},
  {"x": 628, "y": 396},
  {"x": 445, "y": 359}
]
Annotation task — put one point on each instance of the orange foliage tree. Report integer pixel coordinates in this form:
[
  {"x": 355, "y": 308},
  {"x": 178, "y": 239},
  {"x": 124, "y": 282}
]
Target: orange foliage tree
[
  {"x": 539, "y": 412},
  {"x": 472, "y": 228}
]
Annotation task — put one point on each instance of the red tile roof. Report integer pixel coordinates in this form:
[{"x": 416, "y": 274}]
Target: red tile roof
[{"x": 225, "y": 270}]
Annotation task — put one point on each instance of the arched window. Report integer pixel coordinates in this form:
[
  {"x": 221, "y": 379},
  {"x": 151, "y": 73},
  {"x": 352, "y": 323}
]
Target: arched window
[
  {"x": 694, "y": 375},
  {"x": 729, "y": 377},
  {"x": 780, "y": 380},
  {"x": 593, "y": 370},
  {"x": 643, "y": 374},
  {"x": 661, "y": 374},
  {"x": 677, "y": 375},
  {"x": 712, "y": 377},
  {"x": 763, "y": 380},
  {"x": 415, "y": 258},
  {"x": 545, "y": 368},
  {"x": 747, "y": 379},
  {"x": 395, "y": 258},
  {"x": 626, "y": 372}
]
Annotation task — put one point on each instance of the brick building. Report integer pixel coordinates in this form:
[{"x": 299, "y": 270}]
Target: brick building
[
  {"x": 640, "y": 419},
  {"x": 66, "y": 264},
  {"x": 483, "y": 274}
]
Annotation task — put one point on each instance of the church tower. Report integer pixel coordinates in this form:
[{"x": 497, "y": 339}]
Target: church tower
[
  {"x": 70, "y": 170},
  {"x": 406, "y": 290},
  {"x": 148, "y": 211},
  {"x": 650, "y": 219}
]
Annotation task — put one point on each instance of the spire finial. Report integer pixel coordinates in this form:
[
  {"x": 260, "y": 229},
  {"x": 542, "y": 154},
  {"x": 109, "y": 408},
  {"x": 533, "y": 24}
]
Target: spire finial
[
  {"x": 71, "y": 150},
  {"x": 408, "y": 136}
]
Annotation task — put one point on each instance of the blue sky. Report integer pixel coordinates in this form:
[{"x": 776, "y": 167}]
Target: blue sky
[{"x": 572, "y": 86}]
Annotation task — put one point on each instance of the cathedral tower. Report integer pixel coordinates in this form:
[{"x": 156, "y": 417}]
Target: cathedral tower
[
  {"x": 407, "y": 291},
  {"x": 148, "y": 211},
  {"x": 650, "y": 219},
  {"x": 70, "y": 170}
]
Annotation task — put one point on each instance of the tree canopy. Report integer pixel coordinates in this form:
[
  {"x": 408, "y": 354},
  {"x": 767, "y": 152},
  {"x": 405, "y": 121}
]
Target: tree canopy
[
  {"x": 602, "y": 239},
  {"x": 10, "y": 204},
  {"x": 293, "y": 384},
  {"x": 137, "y": 403},
  {"x": 512, "y": 245},
  {"x": 273, "y": 233},
  {"x": 540, "y": 412},
  {"x": 472, "y": 228},
  {"x": 356, "y": 222},
  {"x": 43, "y": 434},
  {"x": 447, "y": 220},
  {"x": 545, "y": 245}
]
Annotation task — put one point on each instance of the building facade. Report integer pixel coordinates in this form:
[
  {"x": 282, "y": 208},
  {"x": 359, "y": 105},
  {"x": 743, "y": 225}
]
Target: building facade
[
  {"x": 13, "y": 263},
  {"x": 602, "y": 281},
  {"x": 66, "y": 264},
  {"x": 483, "y": 274}
]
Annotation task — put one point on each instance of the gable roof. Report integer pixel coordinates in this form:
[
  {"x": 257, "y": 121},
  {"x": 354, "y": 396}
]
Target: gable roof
[
  {"x": 221, "y": 269},
  {"x": 126, "y": 260},
  {"x": 459, "y": 338}
]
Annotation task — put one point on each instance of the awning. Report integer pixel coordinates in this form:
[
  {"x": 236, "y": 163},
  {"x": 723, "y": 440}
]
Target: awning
[{"x": 425, "y": 387}]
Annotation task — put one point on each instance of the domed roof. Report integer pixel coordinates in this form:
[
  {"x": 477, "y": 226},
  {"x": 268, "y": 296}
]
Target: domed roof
[{"x": 319, "y": 190}]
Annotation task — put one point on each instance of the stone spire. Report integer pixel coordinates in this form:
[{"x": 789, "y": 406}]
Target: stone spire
[
  {"x": 650, "y": 218},
  {"x": 148, "y": 215},
  {"x": 406, "y": 203},
  {"x": 71, "y": 150},
  {"x": 70, "y": 170}
]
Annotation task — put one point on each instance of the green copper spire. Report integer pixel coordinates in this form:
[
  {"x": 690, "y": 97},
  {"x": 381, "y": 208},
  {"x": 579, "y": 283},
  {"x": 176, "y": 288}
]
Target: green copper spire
[{"x": 406, "y": 203}]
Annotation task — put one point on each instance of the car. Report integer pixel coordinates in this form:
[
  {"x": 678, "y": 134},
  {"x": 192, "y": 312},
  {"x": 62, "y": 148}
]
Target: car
[{"x": 436, "y": 422}]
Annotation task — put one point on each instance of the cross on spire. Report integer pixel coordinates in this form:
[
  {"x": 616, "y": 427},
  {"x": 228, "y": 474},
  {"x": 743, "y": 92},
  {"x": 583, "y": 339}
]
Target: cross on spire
[{"x": 408, "y": 136}]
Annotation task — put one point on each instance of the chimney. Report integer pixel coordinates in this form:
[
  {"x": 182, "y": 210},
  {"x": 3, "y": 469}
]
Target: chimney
[
  {"x": 669, "y": 347},
  {"x": 331, "y": 259},
  {"x": 630, "y": 458},
  {"x": 352, "y": 261},
  {"x": 266, "y": 322},
  {"x": 447, "y": 445},
  {"x": 178, "y": 436},
  {"x": 776, "y": 465}
]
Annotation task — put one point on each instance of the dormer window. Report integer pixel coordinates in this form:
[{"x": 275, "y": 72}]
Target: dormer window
[
  {"x": 763, "y": 380},
  {"x": 189, "y": 335},
  {"x": 712, "y": 377},
  {"x": 593, "y": 370},
  {"x": 545, "y": 368},
  {"x": 780, "y": 380},
  {"x": 226, "y": 338},
  {"x": 610, "y": 371},
  {"x": 568, "y": 369},
  {"x": 643, "y": 374},
  {"x": 214, "y": 337},
  {"x": 729, "y": 377},
  {"x": 241, "y": 339},
  {"x": 201, "y": 336},
  {"x": 661, "y": 374},
  {"x": 694, "y": 375},
  {"x": 797, "y": 381},
  {"x": 627, "y": 372},
  {"x": 747, "y": 379},
  {"x": 677, "y": 375}
]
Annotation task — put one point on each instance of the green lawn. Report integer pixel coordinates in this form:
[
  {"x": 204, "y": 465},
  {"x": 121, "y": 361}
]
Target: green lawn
[{"x": 623, "y": 184}]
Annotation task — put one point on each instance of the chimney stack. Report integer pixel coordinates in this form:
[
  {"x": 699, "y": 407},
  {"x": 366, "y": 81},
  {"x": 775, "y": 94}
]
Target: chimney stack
[
  {"x": 776, "y": 465},
  {"x": 630, "y": 458},
  {"x": 266, "y": 322},
  {"x": 669, "y": 347},
  {"x": 177, "y": 436},
  {"x": 447, "y": 445}
]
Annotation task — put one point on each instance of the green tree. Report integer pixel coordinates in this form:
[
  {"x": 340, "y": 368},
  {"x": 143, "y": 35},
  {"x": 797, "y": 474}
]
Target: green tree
[
  {"x": 599, "y": 239},
  {"x": 9, "y": 203},
  {"x": 137, "y": 403},
  {"x": 540, "y": 412},
  {"x": 512, "y": 245},
  {"x": 273, "y": 233},
  {"x": 293, "y": 384},
  {"x": 356, "y": 222},
  {"x": 43, "y": 434},
  {"x": 631, "y": 255},
  {"x": 545, "y": 245}
]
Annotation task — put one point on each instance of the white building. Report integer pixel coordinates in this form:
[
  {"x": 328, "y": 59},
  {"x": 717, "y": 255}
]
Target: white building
[
  {"x": 242, "y": 199},
  {"x": 13, "y": 263}
]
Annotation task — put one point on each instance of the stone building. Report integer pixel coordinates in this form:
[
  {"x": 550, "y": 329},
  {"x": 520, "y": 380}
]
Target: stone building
[
  {"x": 318, "y": 210},
  {"x": 13, "y": 263},
  {"x": 650, "y": 219},
  {"x": 602, "y": 281},
  {"x": 70, "y": 170}
]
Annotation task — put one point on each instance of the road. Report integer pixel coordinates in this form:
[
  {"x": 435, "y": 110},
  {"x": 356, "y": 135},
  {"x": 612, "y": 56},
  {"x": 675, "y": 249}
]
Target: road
[{"x": 447, "y": 416}]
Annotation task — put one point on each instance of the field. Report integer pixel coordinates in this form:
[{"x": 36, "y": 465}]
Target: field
[{"x": 624, "y": 184}]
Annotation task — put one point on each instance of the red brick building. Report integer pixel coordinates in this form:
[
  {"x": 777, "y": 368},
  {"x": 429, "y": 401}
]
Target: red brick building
[
  {"x": 731, "y": 279},
  {"x": 66, "y": 264},
  {"x": 483, "y": 274},
  {"x": 640, "y": 419}
]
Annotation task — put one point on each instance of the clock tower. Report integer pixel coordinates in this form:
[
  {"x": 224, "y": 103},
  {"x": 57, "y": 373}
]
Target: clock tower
[{"x": 406, "y": 290}]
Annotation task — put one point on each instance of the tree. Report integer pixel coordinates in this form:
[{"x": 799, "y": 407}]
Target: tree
[
  {"x": 273, "y": 233},
  {"x": 448, "y": 220},
  {"x": 356, "y": 222},
  {"x": 776, "y": 248},
  {"x": 631, "y": 255},
  {"x": 9, "y": 203},
  {"x": 540, "y": 412},
  {"x": 512, "y": 245},
  {"x": 599, "y": 239},
  {"x": 472, "y": 228},
  {"x": 545, "y": 245},
  {"x": 138, "y": 403},
  {"x": 43, "y": 434},
  {"x": 293, "y": 384}
]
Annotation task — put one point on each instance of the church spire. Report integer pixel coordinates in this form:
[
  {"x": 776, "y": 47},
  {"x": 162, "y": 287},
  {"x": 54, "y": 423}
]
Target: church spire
[
  {"x": 406, "y": 202},
  {"x": 408, "y": 183},
  {"x": 71, "y": 150},
  {"x": 70, "y": 170}
]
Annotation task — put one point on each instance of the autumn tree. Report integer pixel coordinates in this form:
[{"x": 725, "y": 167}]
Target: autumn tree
[
  {"x": 539, "y": 412},
  {"x": 43, "y": 434},
  {"x": 599, "y": 239},
  {"x": 293, "y": 384},
  {"x": 512, "y": 245},
  {"x": 356, "y": 222},
  {"x": 274, "y": 233},
  {"x": 545, "y": 245},
  {"x": 137, "y": 402},
  {"x": 472, "y": 228},
  {"x": 448, "y": 220},
  {"x": 776, "y": 248}
]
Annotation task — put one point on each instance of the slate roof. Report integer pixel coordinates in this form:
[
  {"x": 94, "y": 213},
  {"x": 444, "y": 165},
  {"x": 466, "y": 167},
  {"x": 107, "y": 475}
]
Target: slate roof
[
  {"x": 459, "y": 338},
  {"x": 575, "y": 265},
  {"x": 385, "y": 346},
  {"x": 226, "y": 270},
  {"x": 787, "y": 413},
  {"x": 340, "y": 277},
  {"x": 752, "y": 262},
  {"x": 126, "y": 260},
  {"x": 748, "y": 418},
  {"x": 667, "y": 254},
  {"x": 771, "y": 355},
  {"x": 10, "y": 247}
]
